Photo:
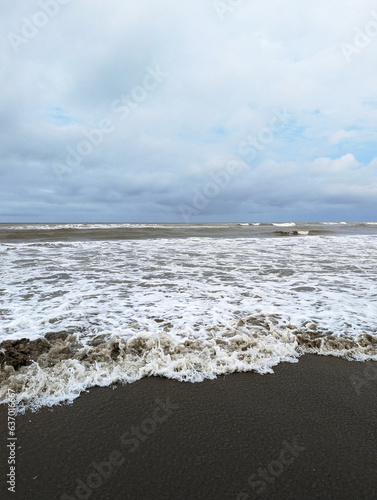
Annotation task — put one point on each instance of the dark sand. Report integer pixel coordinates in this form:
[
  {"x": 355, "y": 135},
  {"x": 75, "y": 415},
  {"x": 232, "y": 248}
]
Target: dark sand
[{"x": 215, "y": 436}]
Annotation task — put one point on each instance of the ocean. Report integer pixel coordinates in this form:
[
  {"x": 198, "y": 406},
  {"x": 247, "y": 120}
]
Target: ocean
[{"x": 85, "y": 305}]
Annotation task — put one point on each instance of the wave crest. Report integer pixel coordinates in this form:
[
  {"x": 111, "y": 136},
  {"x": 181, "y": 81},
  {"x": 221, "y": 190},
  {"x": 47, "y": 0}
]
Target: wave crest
[{"x": 56, "y": 369}]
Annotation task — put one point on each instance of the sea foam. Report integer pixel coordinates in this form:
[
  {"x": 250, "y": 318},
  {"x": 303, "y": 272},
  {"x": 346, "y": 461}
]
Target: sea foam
[{"x": 188, "y": 309}]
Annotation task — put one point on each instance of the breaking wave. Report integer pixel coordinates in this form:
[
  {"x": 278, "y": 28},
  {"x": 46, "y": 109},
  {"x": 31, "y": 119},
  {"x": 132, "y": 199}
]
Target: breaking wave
[
  {"x": 57, "y": 368},
  {"x": 75, "y": 314},
  {"x": 292, "y": 233},
  {"x": 283, "y": 224}
]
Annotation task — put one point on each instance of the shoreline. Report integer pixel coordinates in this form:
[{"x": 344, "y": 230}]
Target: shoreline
[{"x": 307, "y": 431}]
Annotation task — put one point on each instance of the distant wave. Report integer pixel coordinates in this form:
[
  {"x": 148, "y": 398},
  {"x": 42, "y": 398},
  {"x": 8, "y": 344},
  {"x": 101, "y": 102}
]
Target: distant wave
[
  {"x": 45, "y": 233},
  {"x": 248, "y": 223},
  {"x": 88, "y": 226},
  {"x": 294, "y": 233},
  {"x": 283, "y": 224}
]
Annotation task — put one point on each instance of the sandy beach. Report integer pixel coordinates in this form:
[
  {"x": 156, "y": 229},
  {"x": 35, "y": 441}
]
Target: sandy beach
[{"x": 307, "y": 431}]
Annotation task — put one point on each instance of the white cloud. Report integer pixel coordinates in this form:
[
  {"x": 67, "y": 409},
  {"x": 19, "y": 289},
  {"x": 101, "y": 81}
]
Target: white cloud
[
  {"x": 225, "y": 78},
  {"x": 342, "y": 135}
]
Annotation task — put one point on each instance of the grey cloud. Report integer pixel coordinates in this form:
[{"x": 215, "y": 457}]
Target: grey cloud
[{"x": 224, "y": 79}]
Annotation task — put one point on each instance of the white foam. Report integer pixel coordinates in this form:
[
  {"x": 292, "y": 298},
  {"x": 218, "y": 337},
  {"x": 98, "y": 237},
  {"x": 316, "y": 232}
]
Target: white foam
[
  {"x": 97, "y": 287},
  {"x": 190, "y": 288},
  {"x": 284, "y": 224},
  {"x": 86, "y": 226},
  {"x": 165, "y": 356}
]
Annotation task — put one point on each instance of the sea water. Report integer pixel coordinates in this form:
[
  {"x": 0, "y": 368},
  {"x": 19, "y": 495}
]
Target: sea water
[{"x": 103, "y": 303}]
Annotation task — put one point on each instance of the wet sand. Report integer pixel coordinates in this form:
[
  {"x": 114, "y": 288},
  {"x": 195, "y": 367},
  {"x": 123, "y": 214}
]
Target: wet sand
[{"x": 309, "y": 431}]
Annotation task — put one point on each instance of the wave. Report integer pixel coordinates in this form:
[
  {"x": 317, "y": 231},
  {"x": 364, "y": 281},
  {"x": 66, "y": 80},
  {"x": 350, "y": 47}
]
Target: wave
[
  {"x": 129, "y": 231},
  {"x": 248, "y": 223},
  {"x": 295, "y": 233},
  {"x": 57, "y": 227},
  {"x": 57, "y": 368},
  {"x": 283, "y": 224}
]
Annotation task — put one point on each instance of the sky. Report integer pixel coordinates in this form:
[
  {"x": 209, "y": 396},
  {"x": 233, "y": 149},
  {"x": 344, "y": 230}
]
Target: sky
[{"x": 188, "y": 111}]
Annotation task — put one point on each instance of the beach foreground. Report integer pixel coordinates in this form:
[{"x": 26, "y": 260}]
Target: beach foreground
[{"x": 307, "y": 431}]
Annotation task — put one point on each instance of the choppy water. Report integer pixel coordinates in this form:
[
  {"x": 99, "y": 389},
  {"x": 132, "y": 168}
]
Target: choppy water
[
  {"x": 109, "y": 232},
  {"x": 102, "y": 303}
]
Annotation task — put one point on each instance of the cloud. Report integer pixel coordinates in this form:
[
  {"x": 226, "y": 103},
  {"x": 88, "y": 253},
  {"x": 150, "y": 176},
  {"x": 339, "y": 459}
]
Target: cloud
[{"x": 223, "y": 79}]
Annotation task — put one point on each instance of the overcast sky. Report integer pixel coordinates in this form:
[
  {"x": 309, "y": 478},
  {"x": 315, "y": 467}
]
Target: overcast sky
[{"x": 188, "y": 110}]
